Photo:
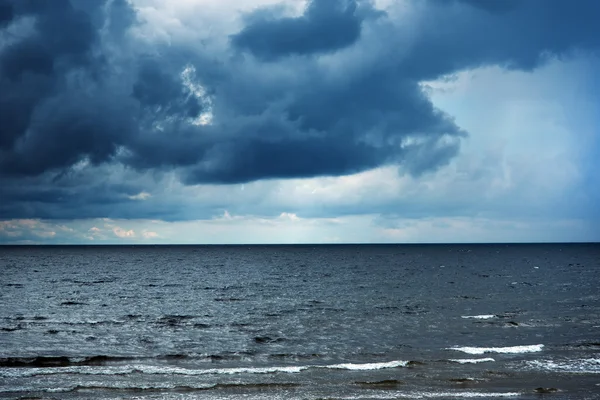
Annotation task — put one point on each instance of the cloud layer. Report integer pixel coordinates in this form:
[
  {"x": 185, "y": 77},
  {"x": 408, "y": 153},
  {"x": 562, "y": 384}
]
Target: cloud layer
[{"x": 93, "y": 112}]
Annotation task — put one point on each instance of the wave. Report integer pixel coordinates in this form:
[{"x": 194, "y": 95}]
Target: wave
[
  {"x": 101, "y": 360},
  {"x": 70, "y": 322},
  {"x": 507, "y": 350},
  {"x": 59, "y": 361},
  {"x": 577, "y": 366},
  {"x": 587, "y": 344},
  {"x": 472, "y": 394},
  {"x": 472, "y": 360},
  {"x": 163, "y": 370},
  {"x": 11, "y": 328},
  {"x": 387, "y": 383},
  {"x": 142, "y": 369},
  {"x": 433, "y": 395},
  {"x": 461, "y": 395},
  {"x": 395, "y": 394},
  {"x": 367, "y": 367},
  {"x": 484, "y": 316},
  {"x": 163, "y": 320},
  {"x": 296, "y": 356},
  {"x": 268, "y": 339},
  {"x": 154, "y": 388},
  {"x": 73, "y": 303}
]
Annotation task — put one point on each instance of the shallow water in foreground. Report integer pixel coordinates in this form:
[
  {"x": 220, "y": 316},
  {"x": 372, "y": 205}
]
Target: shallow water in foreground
[{"x": 300, "y": 322}]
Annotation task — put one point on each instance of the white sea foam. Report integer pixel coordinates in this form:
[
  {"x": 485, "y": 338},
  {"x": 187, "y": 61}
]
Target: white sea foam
[
  {"x": 512, "y": 349},
  {"x": 462, "y": 395},
  {"x": 432, "y": 395},
  {"x": 383, "y": 396},
  {"x": 484, "y": 316},
  {"x": 472, "y": 360},
  {"x": 145, "y": 369},
  {"x": 577, "y": 366},
  {"x": 369, "y": 366},
  {"x": 161, "y": 370},
  {"x": 59, "y": 390}
]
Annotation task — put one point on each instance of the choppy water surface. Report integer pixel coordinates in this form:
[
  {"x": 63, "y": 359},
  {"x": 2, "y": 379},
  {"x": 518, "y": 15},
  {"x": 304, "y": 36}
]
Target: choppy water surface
[{"x": 300, "y": 322}]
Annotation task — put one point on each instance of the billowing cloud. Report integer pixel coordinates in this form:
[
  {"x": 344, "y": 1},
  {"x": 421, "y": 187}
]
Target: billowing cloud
[
  {"x": 521, "y": 34},
  {"x": 325, "y": 26},
  {"x": 122, "y": 233},
  {"x": 96, "y": 117}
]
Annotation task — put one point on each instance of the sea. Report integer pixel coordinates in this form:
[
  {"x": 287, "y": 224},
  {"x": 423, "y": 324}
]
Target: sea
[{"x": 484, "y": 321}]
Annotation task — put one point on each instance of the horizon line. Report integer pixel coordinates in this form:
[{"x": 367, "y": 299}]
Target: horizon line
[{"x": 293, "y": 244}]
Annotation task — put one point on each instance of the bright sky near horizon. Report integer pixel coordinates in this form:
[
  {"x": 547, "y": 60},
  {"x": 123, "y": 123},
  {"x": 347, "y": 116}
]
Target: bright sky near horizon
[{"x": 288, "y": 121}]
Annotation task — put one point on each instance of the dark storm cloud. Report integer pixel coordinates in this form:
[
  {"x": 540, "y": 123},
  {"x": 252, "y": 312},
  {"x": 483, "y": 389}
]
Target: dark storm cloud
[
  {"x": 335, "y": 128},
  {"x": 520, "y": 34},
  {"x": 101, "y": 193},
  {"x": 6, "y": 13},
  {"x": 331, "y": 92},
  {"x": 325, "y": 26},
  {"x": 120, "y": 17},
  {"x": 488, "y": 5},
  {"x": 39, "y": 111},
  {"x": 161, "y": 93}
]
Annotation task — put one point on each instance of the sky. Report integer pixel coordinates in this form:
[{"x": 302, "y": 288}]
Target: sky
[{"x": 292, "y": 121}]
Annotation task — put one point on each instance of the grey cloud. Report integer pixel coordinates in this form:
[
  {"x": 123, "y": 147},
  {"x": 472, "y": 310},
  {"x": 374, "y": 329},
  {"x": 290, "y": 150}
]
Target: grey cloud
[
  {"x": 6, "y": 13},
  {"x": 37, "y": 68},
  {"x": 493, "y": 6},
  {"x": 102, "y": 192},
  {"x": 161, "y": 93},
  {"x": 460, "y": 34},
  {"x": 66, "y": 129},
  {"x": 325, "y": 26},
  {"x": 121, "y": 16},
  {"x": 332, "y": 92}
]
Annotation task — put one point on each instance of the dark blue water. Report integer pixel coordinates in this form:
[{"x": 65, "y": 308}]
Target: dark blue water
[{"x": 300, "y": 322}]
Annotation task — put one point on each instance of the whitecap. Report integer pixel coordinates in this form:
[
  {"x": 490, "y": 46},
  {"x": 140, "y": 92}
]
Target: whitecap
[
  {"x": 512, "y": 349},
  {"x": 368, "y": 366},
  {"x": 472, "y": 360},
  {"x": 468, "y": 394},
  {"x": 433, "y": 395},
  {"x": 581, "y": 365},
  {"x": 60, "y": 390},
  {"x": 484, "y": 316},
  {"x": 162, "y": 370}
]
